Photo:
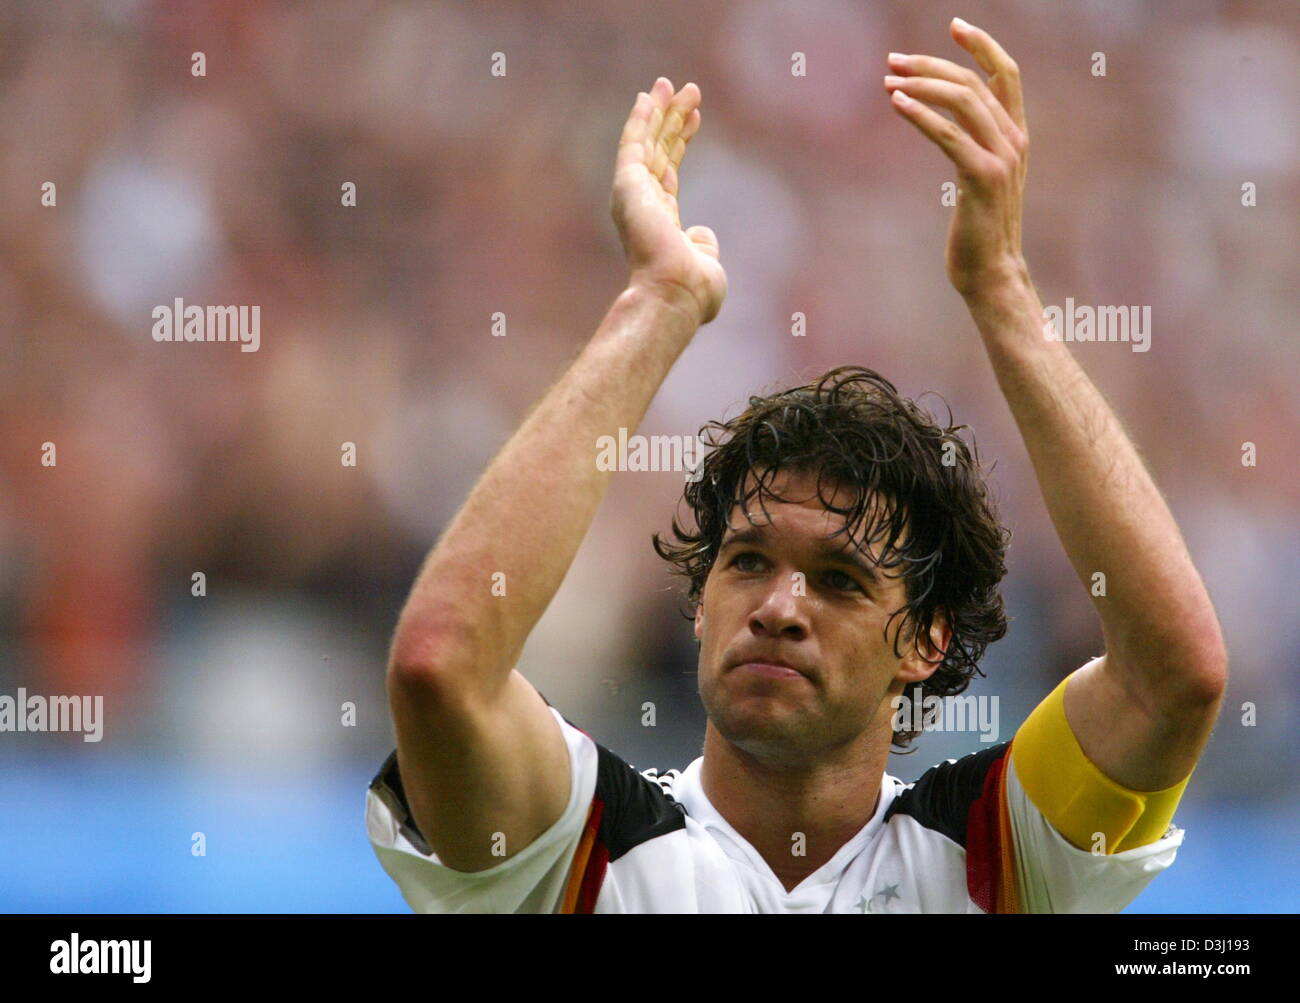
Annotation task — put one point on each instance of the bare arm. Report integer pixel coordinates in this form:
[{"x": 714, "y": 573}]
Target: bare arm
[
  {"x": 478, "y": 750},
  {"x": 1143, "y": 713}
]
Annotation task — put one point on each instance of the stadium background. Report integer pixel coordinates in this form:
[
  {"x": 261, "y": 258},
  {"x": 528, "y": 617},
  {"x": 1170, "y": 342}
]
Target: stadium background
[{"x": 479, "y": 194}]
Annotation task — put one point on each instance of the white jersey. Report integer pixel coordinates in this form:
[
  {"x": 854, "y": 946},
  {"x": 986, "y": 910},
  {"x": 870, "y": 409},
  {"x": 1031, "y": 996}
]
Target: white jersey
[{"x": 964, "y": 838}]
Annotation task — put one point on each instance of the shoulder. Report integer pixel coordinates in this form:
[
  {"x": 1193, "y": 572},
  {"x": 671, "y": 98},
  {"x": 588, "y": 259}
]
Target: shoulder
[
  {"x": 628, "y": 807},
  {"x": 633, "y": 807},
  {"x": 944, "y": 797}
]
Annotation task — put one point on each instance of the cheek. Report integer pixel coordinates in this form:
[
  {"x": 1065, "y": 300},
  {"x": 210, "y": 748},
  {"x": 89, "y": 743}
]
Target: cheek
[{"x": 869, "y": 659}]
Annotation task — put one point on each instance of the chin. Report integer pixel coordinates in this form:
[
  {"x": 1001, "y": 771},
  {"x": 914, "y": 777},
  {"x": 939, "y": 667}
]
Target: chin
[{"x": 757, "y": 722}]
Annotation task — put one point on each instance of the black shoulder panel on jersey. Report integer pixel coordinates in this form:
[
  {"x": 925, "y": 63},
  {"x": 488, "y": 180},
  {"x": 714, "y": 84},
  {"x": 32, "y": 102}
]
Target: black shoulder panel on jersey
[
  {"x": 942, "y": 797},
  {"x": 636, "y": 809},
  {"x": 387, "y": 785}
]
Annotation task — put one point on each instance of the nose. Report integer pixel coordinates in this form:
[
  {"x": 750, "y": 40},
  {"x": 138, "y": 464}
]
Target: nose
[{"x": 781, "y": 613}]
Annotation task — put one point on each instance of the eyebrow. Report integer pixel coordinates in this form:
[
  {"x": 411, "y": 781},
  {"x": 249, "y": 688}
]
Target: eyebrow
[{"x": 844, "y": 554}]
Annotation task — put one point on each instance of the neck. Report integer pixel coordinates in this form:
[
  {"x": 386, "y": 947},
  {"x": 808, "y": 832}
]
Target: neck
[{"x": 768, "y": 802}]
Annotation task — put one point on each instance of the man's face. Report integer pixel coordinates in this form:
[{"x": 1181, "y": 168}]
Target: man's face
[{"x": 791, "y": 591}]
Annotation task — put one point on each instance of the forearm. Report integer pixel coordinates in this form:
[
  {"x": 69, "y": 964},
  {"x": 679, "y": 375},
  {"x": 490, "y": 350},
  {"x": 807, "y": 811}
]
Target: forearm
[
  {"x": 532, "y": 507},
  {"x": 1158, "y": 621}
]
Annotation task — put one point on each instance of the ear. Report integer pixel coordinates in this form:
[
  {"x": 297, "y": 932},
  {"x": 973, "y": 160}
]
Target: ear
[
  {"x": 699, "y": 619},
  {"x": 922, "y": 659}
]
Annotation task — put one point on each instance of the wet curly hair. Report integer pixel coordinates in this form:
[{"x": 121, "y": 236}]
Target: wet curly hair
[{"x": 915, "y": 487}]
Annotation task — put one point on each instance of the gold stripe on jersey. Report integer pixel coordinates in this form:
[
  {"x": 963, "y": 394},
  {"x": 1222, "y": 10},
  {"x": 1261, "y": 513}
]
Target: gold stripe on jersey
[{"x": 578, "y": 869}]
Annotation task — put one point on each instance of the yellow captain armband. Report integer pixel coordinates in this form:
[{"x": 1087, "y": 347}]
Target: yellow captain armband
[{"x": 1076, "y": 797}]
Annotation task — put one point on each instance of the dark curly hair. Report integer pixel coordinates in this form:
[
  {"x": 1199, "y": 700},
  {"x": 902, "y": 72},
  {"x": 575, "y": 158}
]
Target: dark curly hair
[{"x": 916, "y": 487}]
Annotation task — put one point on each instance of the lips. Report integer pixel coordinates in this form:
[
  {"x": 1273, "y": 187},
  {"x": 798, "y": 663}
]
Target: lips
[
  {"x": 771, "y": 668},
  {"x": 769, "y": 671}
]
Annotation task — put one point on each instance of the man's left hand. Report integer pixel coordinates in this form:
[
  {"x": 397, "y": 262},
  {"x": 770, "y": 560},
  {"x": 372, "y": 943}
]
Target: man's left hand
[{"x": 988, "y": 142}]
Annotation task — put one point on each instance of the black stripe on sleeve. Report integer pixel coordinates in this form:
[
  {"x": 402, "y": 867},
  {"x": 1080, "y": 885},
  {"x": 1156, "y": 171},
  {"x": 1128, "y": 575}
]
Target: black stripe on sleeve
[
  {"x": 636, "y": 809},
  {"x": 941, "y": 798}
]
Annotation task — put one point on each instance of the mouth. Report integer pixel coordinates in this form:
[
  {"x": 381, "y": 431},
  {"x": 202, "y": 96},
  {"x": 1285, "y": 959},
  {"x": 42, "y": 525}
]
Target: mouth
[{"x": 769, "y": 670}]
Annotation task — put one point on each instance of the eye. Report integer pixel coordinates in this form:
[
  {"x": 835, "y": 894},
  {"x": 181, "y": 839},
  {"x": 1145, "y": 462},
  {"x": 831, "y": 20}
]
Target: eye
[
  {"x": 744, "y": 555},
  {"x": 842, "y": 580}
]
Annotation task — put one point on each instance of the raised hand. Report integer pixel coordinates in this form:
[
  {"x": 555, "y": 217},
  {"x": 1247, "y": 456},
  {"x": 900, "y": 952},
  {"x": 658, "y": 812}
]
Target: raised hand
[
  {"x": 680, "y": 265},
  {"x": 988, "y": 143}
]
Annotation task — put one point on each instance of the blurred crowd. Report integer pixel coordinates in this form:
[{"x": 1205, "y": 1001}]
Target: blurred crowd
[{"x": 480, "y": 194}]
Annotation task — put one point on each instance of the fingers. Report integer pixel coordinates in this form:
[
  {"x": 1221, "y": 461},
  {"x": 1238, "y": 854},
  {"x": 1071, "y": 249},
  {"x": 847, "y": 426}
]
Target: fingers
[
  {"x": 634, "y": 143},
  {"x": 660, "y": 96},
  {"x": 971, "y": 112},
  {"x": 955, "y": 141},
  {"x": 657, "y": 130},
  {"x": 1004, "y": 74},
  {"x": 943, "y": 69},
  {"x": 677, "y": 152},
  {"x": 990, "y": 115},
  {"x": 670, "y": 144},
  {"x": 639, "y": 141},
  {"x": 692, "y": 126},
  {"x": 678, "y": 148}
]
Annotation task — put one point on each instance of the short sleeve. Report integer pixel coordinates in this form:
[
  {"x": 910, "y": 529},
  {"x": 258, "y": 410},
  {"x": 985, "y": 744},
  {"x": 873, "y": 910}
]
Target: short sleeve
[
  {"x": 1082, "y": 842},
  {"x": 534, "y": 880},
  {"x": 1054, "y": 876}
]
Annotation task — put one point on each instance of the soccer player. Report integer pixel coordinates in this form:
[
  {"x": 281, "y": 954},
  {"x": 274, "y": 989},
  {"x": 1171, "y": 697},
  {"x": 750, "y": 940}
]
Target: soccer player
[{"x": 845, "y": 555}]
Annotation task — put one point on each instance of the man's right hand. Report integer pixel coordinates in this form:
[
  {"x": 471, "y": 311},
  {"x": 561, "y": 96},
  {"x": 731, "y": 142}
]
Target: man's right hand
[{"x": 682, "y": 266}]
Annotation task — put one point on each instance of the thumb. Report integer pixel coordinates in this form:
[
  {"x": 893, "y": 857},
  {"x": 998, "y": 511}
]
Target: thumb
[{"x": 705, "y": 239}]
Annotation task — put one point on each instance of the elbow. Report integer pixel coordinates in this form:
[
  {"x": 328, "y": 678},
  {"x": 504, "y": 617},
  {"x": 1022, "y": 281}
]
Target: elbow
[
  {"x": 412, "y": 678},
  {"x": 1215, "y": 675},
  {"x": 431, "y": 657},
  {"x": 1202, "y": 665},
  {"x": 1194, "y": 656},
  {"x": 1209, "y": 656},
  {"x": 1177, "y": 670}
]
